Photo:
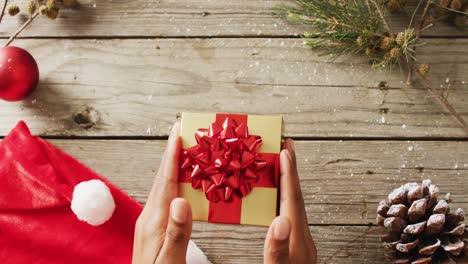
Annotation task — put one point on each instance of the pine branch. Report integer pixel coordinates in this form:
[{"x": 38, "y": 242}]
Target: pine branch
[
  {"x": 3, "y": 10},
  {"x": 384, "y": 21},
  {"x": 420, "y": 29},
  {"x": 444, "y": 101},
  {"x": 450, "y": 9},
  {"x": 423, "y": 17},
  {"x": 360, "y": 26},
  {"x": 21, "y": 28},
  {"x": 414, "y": 13}
]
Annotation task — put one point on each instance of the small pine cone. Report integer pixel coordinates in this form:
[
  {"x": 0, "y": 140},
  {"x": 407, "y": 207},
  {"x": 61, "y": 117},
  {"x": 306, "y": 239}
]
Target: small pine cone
[
  {"x": 424, "y": 69},
  {"x": 421, "y": 227},
  {"x": 393, "y": 6},
  {"x": 409, "y": 34},
  {"x": 13, "y": 10},
  {"x": 52, "y": 13},
  {"x": 32, "y": 8},
  {"x": 49, "y": 9},
  {"x": 369, "y": 52},
  {"x": 386, "y": 42},
  {"x": 456, "y": 5},
  {"x": 51, "y": 4},
  {"x": 460, "y": 21},
  {"x": 387, "y": 56},
  {"x": 360, "y": 41},
  {"x": 405, "y": 36},
  {"x": 394, "y": 53},
  {"x": 400, "y": 38},
  {"x": 43, "y": 10},
  {"x": 444, "y": 3}
]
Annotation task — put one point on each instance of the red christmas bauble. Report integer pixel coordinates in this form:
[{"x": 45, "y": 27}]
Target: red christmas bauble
[{"x": 19, "y": 73}]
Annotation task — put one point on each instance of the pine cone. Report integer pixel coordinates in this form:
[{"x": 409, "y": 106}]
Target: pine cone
[
  {"x": 31, "y": 7},
  {"x": 400, "y": 38},
  {"x": 456, "y": 5},
  {"x": 51, "y": 4},
  {"x": 393, "y": 6},
  {"x": 52, "y": 13},
  {"x": 396, "y": 5},
  {"x": 360, "y": 41},
  {"x": 13, "y": 10},
  {"x": 424, "y": 69},
  {"x": 386, "y": 42},
  {"x": 421, "y": 228},
  {"x": 392, "y": 54}
]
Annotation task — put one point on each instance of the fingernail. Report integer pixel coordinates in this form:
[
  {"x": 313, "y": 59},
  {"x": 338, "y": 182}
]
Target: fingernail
[
  {"x": 282, "y": 228},
  {"x": 179, "y": 210},
  {"x": 293, "y": 145},
  {"x": 286, "y": 154},
  {"x": 174, "y": 127}
]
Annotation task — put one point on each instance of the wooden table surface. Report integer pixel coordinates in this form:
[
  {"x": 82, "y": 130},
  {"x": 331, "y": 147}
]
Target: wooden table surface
[{"x": 115, "y": 73}]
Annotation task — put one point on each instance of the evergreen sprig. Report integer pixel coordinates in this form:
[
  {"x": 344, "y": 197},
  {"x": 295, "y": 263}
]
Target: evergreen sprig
[
  {"x": 343, "y": 27},
  {"x": 360, "y": 27},
  {"x": 49, "y": 9}
]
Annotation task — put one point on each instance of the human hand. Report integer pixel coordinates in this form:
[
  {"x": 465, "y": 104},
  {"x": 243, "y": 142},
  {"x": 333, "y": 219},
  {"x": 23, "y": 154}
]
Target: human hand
[
  {"x": 163, "y": 230},
  {"x": 288, "y": 239}
]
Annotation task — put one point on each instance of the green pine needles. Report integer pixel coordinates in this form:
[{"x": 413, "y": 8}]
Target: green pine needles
[
  {"x": 354, "y": 27},
  {"x": 360, "y": 27}
]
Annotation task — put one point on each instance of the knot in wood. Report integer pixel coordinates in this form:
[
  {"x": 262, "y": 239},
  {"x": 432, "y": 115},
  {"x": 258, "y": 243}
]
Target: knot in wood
[{"x": 86, "y": 118}]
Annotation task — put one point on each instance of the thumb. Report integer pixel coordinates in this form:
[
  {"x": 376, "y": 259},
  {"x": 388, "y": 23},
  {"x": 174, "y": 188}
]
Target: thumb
[
  {"x": 178, "y": 233},
  {"x": 277, "y": 242}
]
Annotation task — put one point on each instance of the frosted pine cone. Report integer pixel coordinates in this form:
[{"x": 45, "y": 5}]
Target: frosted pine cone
[{"x": 421, "y": 228}]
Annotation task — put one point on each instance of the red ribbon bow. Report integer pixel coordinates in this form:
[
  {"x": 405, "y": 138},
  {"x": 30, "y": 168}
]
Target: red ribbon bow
[{"x": 224, "y": 161}]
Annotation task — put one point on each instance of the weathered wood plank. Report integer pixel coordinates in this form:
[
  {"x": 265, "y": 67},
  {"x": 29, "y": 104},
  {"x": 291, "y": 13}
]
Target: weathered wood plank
[
  {"x": 342, "y": 182},
  {"x": 175, "y": 18},
  {"x": 332, "y": 194},
  {"x": 244, "y": 244},
  {"x": 136, "y": 88}
]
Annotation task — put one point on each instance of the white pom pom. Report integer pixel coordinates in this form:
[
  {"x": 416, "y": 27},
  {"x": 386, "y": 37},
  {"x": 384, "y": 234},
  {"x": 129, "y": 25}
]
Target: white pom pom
[{"x": 92, "y": 202}]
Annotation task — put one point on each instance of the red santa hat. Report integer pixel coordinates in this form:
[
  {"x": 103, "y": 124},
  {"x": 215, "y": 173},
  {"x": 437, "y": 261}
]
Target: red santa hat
[{"x": 55, "y": 210}]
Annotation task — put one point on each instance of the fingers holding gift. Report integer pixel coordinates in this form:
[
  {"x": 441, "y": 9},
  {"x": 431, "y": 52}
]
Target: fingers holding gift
[
  {"x": 171, "y": 167},
  {"x": 291, "y": 147},
  {"x": 165, "y": 187},
  {"x": 302, "y": 248},
  {"x": 147, "y": 244},
  {"x": 277, "y": 241},
  {"x": 291, "y": 201},
  {"x": 178, "y": 233},
  {"x": 164, "y": 242},
  {"x": 151, "y": 225}
]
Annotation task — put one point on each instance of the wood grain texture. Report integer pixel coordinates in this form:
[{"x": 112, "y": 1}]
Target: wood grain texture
[
  {"x": 342, "y": 182},
  {"x": 217, "y": 56},
  {"x": 136, "y": 87},
  {"x": 244, "y": 244},
  {"x": 335, "y": 244},
  {"x": 175, "y": 18}
]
